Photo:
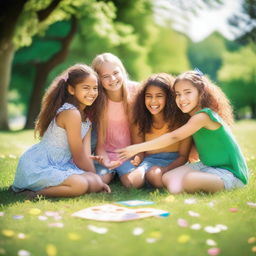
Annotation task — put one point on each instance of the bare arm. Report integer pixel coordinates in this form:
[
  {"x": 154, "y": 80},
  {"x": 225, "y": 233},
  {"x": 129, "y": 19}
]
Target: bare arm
[{"x": 195, "y": 123}]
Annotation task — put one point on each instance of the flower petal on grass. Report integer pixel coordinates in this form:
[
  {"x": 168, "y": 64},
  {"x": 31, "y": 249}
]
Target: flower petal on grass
[
  {"x": 8, "y": 232},
  {"x": 151, "y": 240},
  {"x": 212, "y": 230},
  {"x": 196, "y": 226},
  {"x": 252, "y": 204},
  {"x": 23, "y": 253},
  {"x": 51, "y": 250},
  {"x": 21, "y": 236},
  {"x": 137, "y": 231},
  {"x": 1, "y": 214},
  {"x": 211, "y": 204},
  {"x": 252, "y": 240},
  {"x": 74, "y": 236},
  {"x": 211, "y": 242},
  {"x": 56, "y": 225},
  {"x": 42, "y": 217},
  {"x": 233, "y": 209},
  {"x": 193, "y": 214},
  {"x": 97, "y": 229},
  {"x": 183, "y": 239},
  {"x": 18, "y": 217},
  {"x": 190, "y": 201},
  {"x": 182, "y": 223},
  {"x": 34, "y": 211},
  {"x": 221, "y": 227},
  {"x": 214, "y": 251}
]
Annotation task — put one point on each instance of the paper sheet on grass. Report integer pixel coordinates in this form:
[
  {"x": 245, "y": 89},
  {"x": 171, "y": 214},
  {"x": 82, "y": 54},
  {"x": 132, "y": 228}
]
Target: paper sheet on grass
[
  {"x": 134, "y": 202},
  {"x": 111, "y": 212}
]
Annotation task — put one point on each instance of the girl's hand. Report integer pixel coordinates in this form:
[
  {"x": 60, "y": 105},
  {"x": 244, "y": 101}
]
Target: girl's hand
[
  {"x": 97, "y": 158},
  {"x": 126, "y": 153},
  {"x": 106, "y": 188},
  {"x": 111, "y": 164},
  {"x": 136, "y": 160}
]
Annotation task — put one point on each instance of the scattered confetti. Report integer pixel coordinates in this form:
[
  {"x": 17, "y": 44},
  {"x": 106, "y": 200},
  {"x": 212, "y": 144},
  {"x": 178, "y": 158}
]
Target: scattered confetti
[
  {"x": 51, "y": 214},
  {"x": 21, "y": 236},
  {"x": 169, "y": 199},
  {"x": 252, "y": 240},
  {"x": 182, "y": 223},
  {"x": 221, "y": 227},
  {"x": 34, "y": 211},
  {"x": 218, "y": 228},
  {"x": 138, "y": 231},
  {"x": 97, "y": 229},
  {"x": 183, "y": 239},
  {"x": 56, "y": 225},
  {"x": 1, "y": 214},
  {"x": 214, "y": 251},
  {"x": 18, "y": 217},
  {"x": 190, "y": 201},
  {"x": 211, "y": 204},
  {"x": 23, "y": 253},
  {"x": 233, "y": 209},
  {"x": 51, "y": 250},
  {"x": 251, "y": 204},
  {"x": 254, "y": 249},
  {"x": 74, "y": 236},
  {"x": 42, "y": 217},
  {"x": 193, "y": 214},
  {"x": 151, "y": 240},
  {"x": 8, "y": 232},
  {"x": 211, "y": 242},
  {"x": 196, "y": 226}
]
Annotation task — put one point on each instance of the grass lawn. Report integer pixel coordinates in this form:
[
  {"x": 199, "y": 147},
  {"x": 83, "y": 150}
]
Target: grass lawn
[{"x": 45, "y": 226}]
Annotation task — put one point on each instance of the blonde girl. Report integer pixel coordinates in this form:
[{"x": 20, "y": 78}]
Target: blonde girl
[
  {"x": 155, "y": 113},
  {"x": 115, "y": 128},
  {"x": 222, "y": 164},
  {"x": 60, "y": 165}
]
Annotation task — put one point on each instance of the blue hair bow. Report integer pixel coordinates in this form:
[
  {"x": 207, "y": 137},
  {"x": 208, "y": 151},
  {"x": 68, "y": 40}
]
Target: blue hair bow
[{"x": 198, "y": 72}]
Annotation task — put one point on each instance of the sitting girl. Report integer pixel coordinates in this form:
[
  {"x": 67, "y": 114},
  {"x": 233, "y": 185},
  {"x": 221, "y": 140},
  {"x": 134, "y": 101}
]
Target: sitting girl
[
  {"x": 155, "y": 113},
  {"x": 222, "y": 164},
  {"x": 60, "y": 165}
]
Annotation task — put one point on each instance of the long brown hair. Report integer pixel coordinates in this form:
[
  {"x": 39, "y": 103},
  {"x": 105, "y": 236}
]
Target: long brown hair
[
  {"x": 171, "y": 113},
  {"x": 97, "y": 63},
  {"x": 57, "y": 94},
  {"x": 211, "y": 95}
]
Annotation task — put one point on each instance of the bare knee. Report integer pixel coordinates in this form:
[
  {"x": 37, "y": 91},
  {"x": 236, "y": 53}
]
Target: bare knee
[
  {"x": 78, "y": 185},
  {"x": 107, "y": 178},
  {"x": 173, "y": 185},
  {"x": 154, "y": 177},
  {"x": 133, "y": 179}
]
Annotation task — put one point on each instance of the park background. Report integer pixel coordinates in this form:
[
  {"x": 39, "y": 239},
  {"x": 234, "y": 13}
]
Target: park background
[{"x": 41, "y": 38}]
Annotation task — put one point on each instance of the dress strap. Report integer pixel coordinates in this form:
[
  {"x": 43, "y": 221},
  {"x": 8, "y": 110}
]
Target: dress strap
[{"x": 66, "y": 106}]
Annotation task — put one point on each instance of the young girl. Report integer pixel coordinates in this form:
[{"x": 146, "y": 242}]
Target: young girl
[
  {"x": 60, "y": 165},
  {"x": 222, "y": 164},
  {"x": 155, "y": 113},
  {"x": 114, "y": 130}
]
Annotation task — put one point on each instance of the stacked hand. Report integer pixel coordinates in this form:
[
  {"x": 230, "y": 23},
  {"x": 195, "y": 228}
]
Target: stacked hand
[
  {"x": 126, "y": 153},
  {"x": 106, "y": 162}
]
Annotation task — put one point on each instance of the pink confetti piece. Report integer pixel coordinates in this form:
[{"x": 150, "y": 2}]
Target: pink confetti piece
[
  {"x": 42, "y": 218},
  {"x": 97, "y": 229},
  {"x": 233, "y": 209},
  {"x": 190, "y": 201},
  {"x": 214, "y": 251},
  {"x": 211, "y": 242},
  {"x": 137, "y": 231},
  {"x": 51, "y": 214},
  {"x": 1, "y": 214},
  {"x": 21, "y": 236},
  {"x": 56, "y": 225},
  {"x": 182, "y": 223},
  {"x": 196, "y": 226},
  {"x": 23, "y": 253},
  {"x": 252, "y": 204},
  {"x": 193, "y": 214}
]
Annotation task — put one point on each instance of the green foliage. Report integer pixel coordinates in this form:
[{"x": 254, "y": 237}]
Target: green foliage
[{"x": 164, "y": 232}]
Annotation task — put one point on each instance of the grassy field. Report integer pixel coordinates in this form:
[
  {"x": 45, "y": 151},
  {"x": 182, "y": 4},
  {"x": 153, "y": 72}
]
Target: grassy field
[{"x": 45, "y": 226}]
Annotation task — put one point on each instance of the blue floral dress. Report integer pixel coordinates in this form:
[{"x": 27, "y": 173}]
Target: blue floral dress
[{"x": 49, "y": 162}]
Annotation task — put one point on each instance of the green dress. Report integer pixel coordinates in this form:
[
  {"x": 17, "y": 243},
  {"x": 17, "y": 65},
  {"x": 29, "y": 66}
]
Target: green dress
[{"x": 218, "y": 148}]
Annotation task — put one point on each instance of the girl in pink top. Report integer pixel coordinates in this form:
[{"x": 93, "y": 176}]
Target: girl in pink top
[{"x": 114, "y": 130}]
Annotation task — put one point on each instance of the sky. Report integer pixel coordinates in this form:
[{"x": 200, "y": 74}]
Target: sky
[{"x": 207, "y": 20}]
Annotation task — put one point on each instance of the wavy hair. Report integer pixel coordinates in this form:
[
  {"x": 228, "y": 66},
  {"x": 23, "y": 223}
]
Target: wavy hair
[
  {"x": 57, "y": 94},
  {"x": 171, "y": 113},
  {"x": 211, "y": 95}
]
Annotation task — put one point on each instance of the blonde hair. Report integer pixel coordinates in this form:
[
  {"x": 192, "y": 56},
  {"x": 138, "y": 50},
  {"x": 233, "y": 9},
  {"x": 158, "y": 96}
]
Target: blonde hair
[
  {"x": 97, "y": 64},
  {"x": 211, "y": 95}
]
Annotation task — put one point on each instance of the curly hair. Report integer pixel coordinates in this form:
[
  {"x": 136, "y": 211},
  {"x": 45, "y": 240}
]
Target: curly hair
[
  {"x": 211, "y": 95},
  {"x": 171, "y": 113},
  {"x": 57, "y": 94}
]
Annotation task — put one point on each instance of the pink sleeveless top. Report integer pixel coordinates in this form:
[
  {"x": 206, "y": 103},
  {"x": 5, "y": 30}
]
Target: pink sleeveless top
[{"x": 118, "y": 132}]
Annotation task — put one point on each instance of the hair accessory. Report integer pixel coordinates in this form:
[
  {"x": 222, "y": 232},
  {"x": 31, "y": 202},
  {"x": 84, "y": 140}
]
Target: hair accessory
[{"x": 198, "y": 72}]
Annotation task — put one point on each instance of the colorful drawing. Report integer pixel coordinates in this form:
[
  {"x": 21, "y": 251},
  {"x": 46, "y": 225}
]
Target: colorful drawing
[{"x": 134, "y": 202}]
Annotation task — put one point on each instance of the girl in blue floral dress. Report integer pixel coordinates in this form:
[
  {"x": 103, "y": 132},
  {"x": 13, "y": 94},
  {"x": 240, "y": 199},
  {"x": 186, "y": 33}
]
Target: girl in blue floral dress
[{"x": 60, "y": 164}]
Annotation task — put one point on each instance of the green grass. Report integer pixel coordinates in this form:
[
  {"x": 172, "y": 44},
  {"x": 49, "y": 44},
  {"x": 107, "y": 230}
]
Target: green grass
[{"x": 119, "y": 240}]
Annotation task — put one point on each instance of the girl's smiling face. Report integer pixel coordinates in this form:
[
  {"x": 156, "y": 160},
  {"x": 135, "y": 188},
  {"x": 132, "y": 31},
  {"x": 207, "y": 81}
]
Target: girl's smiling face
[
  {"x": 155, "y": 99},
  {"x": 187, "y": 97},
  {"x": 111, "y": 76},
  {"x": 86, "y": 91}
]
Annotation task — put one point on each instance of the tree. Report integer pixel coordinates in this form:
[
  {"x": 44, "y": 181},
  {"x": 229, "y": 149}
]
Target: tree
[{"x": 10, "y": 15}]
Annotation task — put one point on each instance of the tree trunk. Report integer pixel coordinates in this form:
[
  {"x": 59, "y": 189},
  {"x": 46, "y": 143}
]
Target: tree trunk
[{"x": 42, "y": 71}]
